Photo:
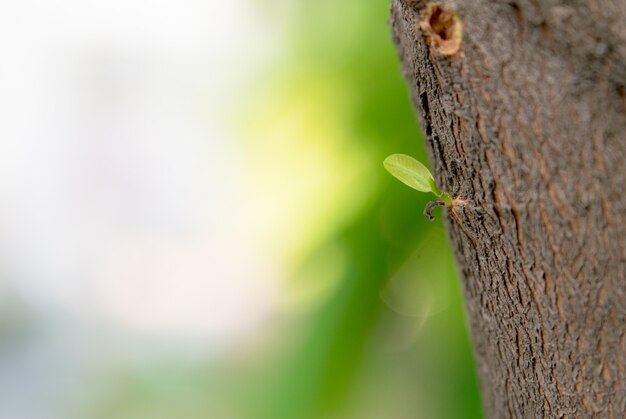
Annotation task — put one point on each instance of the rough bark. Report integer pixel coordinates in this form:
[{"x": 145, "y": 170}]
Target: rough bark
[{"x": 527, "y": 121}]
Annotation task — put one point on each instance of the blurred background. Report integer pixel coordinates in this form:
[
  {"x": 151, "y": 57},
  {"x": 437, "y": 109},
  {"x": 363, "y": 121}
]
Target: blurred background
[{"x": 195, "y": 221}]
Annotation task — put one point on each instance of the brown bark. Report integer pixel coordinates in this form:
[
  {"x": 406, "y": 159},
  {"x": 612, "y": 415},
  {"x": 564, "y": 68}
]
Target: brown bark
[{"x": 527, "y": 121}]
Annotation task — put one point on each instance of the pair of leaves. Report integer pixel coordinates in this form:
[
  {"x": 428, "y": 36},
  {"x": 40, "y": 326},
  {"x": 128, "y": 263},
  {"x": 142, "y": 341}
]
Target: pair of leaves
[{"x": 411, "y": 172}]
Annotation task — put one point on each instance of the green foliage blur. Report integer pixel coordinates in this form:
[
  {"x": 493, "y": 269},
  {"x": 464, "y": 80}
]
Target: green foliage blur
[
  {"x": 387, "y": 336},
  {"x": 333, "y": 364}
]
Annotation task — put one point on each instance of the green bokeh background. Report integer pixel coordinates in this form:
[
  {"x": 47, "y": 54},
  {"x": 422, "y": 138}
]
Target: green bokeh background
[
  {"x": 335, "y": 368},
  {"x": 348, "y": 352}
]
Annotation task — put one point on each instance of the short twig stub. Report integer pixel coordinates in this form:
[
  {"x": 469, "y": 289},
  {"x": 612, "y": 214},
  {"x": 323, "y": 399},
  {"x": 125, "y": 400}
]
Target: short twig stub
[{"x": 442, "y": 27}]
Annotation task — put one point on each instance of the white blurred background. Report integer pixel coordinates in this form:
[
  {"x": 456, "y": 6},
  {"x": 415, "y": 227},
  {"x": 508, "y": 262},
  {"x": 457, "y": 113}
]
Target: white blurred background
[{"x": 124, "y": 202}]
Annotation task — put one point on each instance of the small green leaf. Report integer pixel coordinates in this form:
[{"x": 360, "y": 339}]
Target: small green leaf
[{"x": 411, "y": 172}]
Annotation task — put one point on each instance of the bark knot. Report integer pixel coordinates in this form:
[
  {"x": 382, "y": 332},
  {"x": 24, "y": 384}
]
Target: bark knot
[{"x": 443, "y": 28}]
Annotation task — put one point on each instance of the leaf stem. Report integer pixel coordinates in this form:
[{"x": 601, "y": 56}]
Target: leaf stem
[{"x": 447, "y": 199}]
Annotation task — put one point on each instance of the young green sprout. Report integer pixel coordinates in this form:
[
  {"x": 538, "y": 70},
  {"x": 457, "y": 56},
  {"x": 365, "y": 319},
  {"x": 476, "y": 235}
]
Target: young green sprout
[{"x": 414, "y": 174}]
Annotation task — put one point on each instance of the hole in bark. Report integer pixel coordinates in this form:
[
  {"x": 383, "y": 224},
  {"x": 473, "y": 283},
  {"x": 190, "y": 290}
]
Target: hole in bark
[
  {"x": 443, "y": 28},
  {"x": 442, "y": 23}
]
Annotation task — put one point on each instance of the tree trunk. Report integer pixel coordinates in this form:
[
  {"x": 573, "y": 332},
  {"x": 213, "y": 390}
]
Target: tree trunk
[{"x": 523, "y": 105}]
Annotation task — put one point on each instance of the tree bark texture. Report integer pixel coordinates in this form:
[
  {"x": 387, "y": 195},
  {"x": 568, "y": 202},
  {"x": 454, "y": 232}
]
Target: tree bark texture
[{"x": 526, "y": 119}]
